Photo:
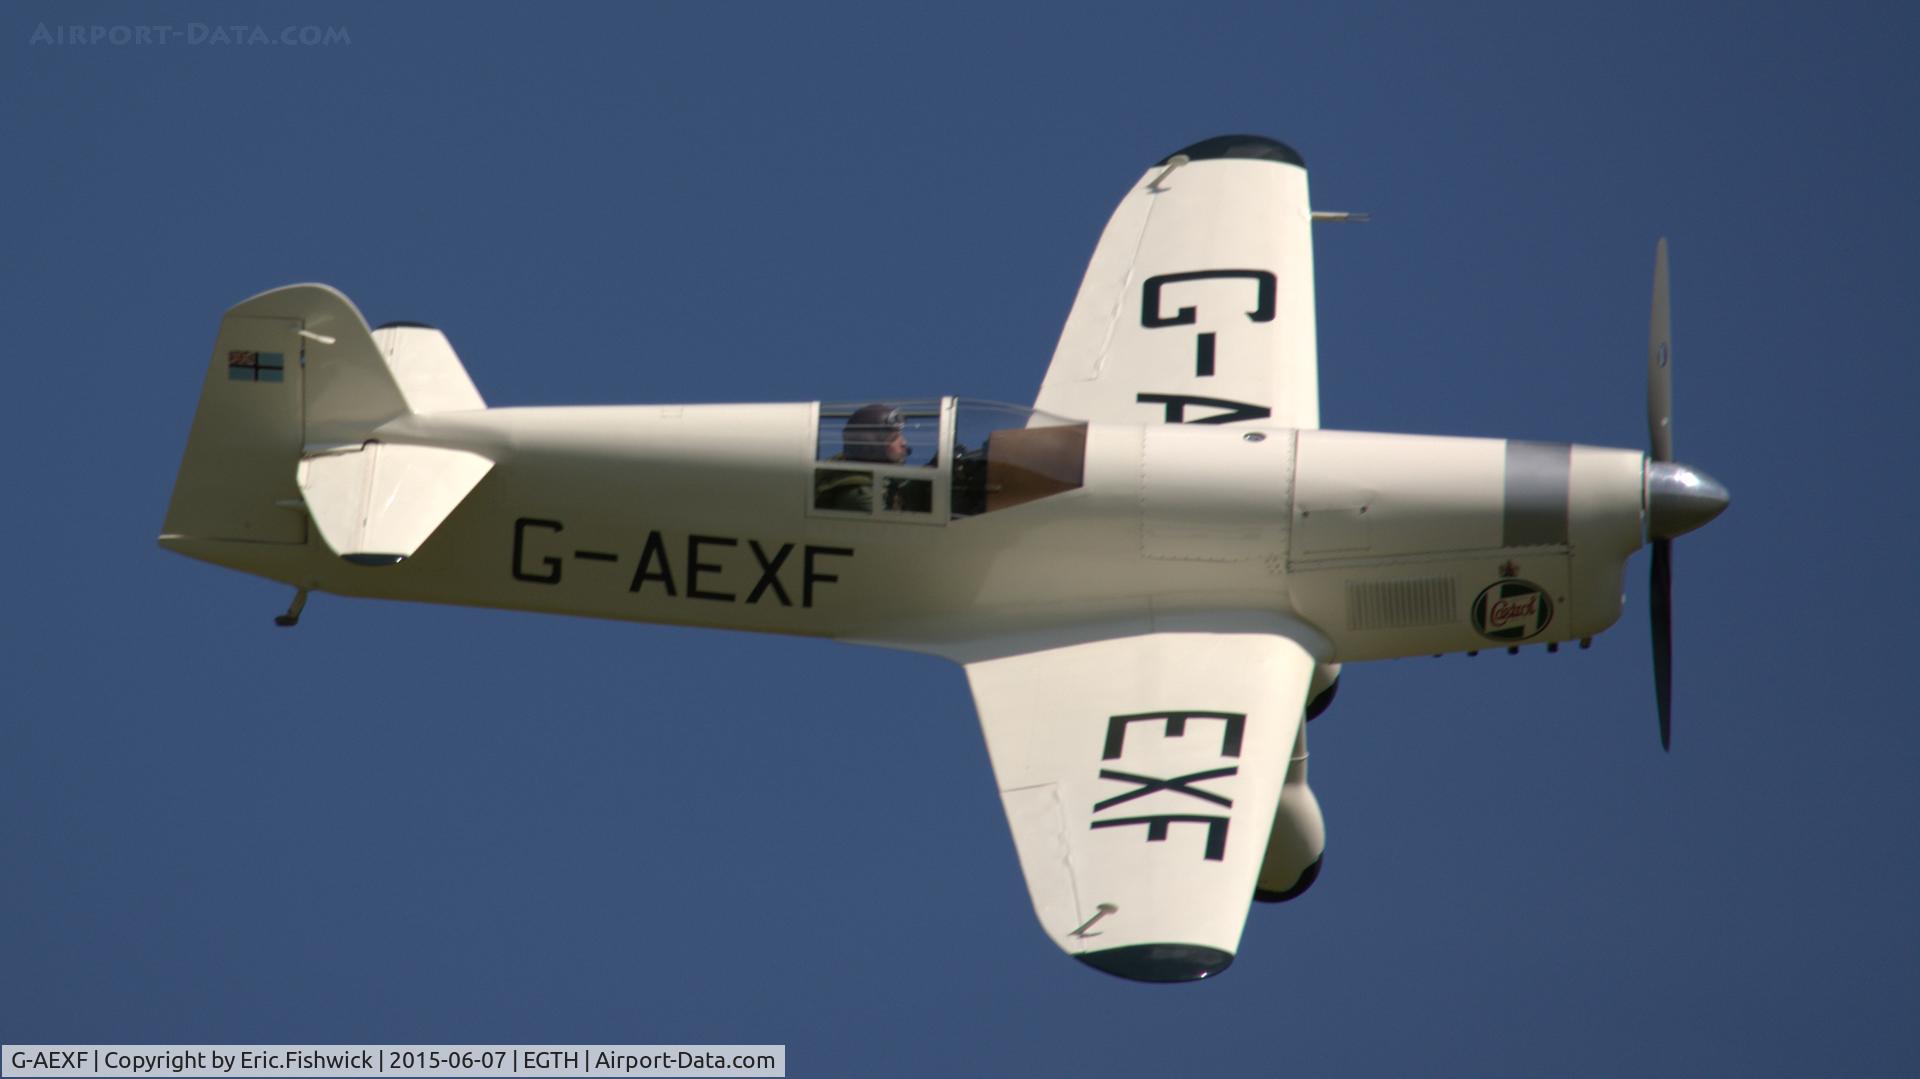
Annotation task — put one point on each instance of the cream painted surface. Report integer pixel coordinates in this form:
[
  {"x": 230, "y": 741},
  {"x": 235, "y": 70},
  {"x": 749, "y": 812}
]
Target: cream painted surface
[
  {"x": 377, "y": 499},
  {"x": 236, "y": 478},
  {"x": 681, "y": 511},
  {"x": 426, "y": 370},
  {"x": 1204, "y": 216},
  {"x": 1049, "y": 721},
  {"x": 713, "y": 481},
  {"x": 1212, "y": 499},
  {"x": 351, "y": 388},
  {"x": 1384, "y": 495}
]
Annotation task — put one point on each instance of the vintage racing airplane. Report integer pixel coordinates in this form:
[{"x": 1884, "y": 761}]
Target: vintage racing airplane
[{"x": 1152, "y": 576}]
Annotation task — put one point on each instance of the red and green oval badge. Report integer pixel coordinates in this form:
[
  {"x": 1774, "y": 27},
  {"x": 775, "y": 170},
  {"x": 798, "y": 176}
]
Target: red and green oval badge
[{"x": 1512, "y": 610}]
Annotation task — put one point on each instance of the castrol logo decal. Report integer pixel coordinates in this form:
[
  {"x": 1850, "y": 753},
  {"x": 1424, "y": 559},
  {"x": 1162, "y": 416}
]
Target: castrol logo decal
[{"x": 1512, "y": 610}]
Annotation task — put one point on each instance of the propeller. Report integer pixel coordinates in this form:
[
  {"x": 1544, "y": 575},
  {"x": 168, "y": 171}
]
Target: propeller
[
  {"x": 1660, "y": 361},
  {"x": 1660, "y": 439},
  {"x": 1679, "y": 499}
]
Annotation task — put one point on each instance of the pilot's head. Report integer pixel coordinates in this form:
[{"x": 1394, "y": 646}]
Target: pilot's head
[{"x": 876, "y": 433}]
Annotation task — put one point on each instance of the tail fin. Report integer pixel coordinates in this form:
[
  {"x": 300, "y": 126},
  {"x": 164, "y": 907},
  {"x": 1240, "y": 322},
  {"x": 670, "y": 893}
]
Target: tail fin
[{"x": 294, "y": 393}]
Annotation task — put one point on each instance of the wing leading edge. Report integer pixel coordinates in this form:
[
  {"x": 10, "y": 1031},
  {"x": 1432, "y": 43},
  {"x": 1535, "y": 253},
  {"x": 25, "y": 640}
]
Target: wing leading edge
[
  {"x": 1140, "y": 777},
  {"x": 1197, "y": 306}
]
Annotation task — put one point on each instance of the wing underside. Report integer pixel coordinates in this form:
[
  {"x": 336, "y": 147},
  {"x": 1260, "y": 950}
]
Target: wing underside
[
  {"x": 1140, "y": 777},
  {"x": 1197, "y": 306}
]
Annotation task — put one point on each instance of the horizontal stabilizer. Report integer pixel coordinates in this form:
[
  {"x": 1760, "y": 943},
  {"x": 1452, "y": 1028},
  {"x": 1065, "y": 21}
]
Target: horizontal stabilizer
[
  {"x": 376, "y": 503},
  {"x": 424, "y": 366}
]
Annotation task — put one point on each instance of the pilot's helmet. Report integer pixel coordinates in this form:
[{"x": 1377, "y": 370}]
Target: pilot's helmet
[{"x": 869, "y": 430}]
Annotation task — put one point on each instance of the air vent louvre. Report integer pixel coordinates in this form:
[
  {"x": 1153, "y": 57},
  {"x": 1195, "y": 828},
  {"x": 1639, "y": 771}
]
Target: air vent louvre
[{"x": 1401, "y": 604}]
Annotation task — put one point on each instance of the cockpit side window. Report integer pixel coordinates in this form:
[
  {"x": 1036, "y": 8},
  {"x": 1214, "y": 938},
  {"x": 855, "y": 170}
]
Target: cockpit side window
[
  {"x": 880, "y": 432},
  {"x": 873, "y": 459},
  {"x": 931, "y": 461},
  {"x": 1005, "y": 455}
]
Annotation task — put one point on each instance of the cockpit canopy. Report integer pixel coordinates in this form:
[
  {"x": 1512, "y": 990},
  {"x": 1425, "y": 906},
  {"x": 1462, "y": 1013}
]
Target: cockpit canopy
[{"x": 936, "y": 460}]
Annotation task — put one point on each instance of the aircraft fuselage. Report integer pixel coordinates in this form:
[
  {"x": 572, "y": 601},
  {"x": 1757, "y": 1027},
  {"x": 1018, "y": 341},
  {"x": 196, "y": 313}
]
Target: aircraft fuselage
[{"x": 707, "y": 515}]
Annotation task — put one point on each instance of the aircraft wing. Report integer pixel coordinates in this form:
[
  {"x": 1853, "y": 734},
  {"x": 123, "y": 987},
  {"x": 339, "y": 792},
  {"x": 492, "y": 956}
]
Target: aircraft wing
[
  {"x": 1198, "y": 304},
  {"x": 1140, "y": 776}
]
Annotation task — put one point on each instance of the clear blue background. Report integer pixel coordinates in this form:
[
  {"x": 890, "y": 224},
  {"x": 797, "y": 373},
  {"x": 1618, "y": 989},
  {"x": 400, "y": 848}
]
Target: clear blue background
[{"x": 407, "y": 824}]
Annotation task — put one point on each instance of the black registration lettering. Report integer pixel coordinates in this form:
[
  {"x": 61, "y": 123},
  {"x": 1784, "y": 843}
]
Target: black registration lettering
[
  {"x": 652, "y": 556},
  {"x": 770, "y": 573},
  {"x": 1157, "y": 829},
  {"x": 551, "y": 573},
  {"x": 1176, "y": 406},
  {"x": 695, "y": 566},
  {"x": 1152, "y": 319},
  {"x": 1176, "y": 727},
  {"x": 808, "y": 574},
  {"x": 701, "y": 577},
  {"x": 1173, "y": 724},
  {"x": 1145, "y": 785}
]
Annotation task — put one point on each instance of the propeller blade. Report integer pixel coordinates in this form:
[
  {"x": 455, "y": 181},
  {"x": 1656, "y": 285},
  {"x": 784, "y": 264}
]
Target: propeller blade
[
  {"x": 1660, "y": 363},
  {"x": 1660, "y": 606}
]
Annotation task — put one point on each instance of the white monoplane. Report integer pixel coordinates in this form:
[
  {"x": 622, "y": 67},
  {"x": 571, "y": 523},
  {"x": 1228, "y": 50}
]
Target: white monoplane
[{"x": 1152, "y": 576}]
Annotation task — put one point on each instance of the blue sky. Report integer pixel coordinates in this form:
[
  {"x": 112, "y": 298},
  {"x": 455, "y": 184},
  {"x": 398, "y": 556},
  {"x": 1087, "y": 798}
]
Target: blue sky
[{"x": 410, "y": 824}]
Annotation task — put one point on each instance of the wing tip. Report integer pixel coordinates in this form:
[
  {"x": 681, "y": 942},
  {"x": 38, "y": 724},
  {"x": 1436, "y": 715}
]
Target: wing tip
[
  {"x": 1159, "y": 962},
  {"x": 1251, "y": 147}
]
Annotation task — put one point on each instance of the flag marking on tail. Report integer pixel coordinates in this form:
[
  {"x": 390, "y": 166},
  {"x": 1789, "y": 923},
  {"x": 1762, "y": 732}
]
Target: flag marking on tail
[{"x": 256, "y": 366}]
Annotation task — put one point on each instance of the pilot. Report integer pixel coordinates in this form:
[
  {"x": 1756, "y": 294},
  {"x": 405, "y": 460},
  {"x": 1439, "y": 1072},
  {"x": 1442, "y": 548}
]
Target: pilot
[{"x": 877, "y": 434}]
